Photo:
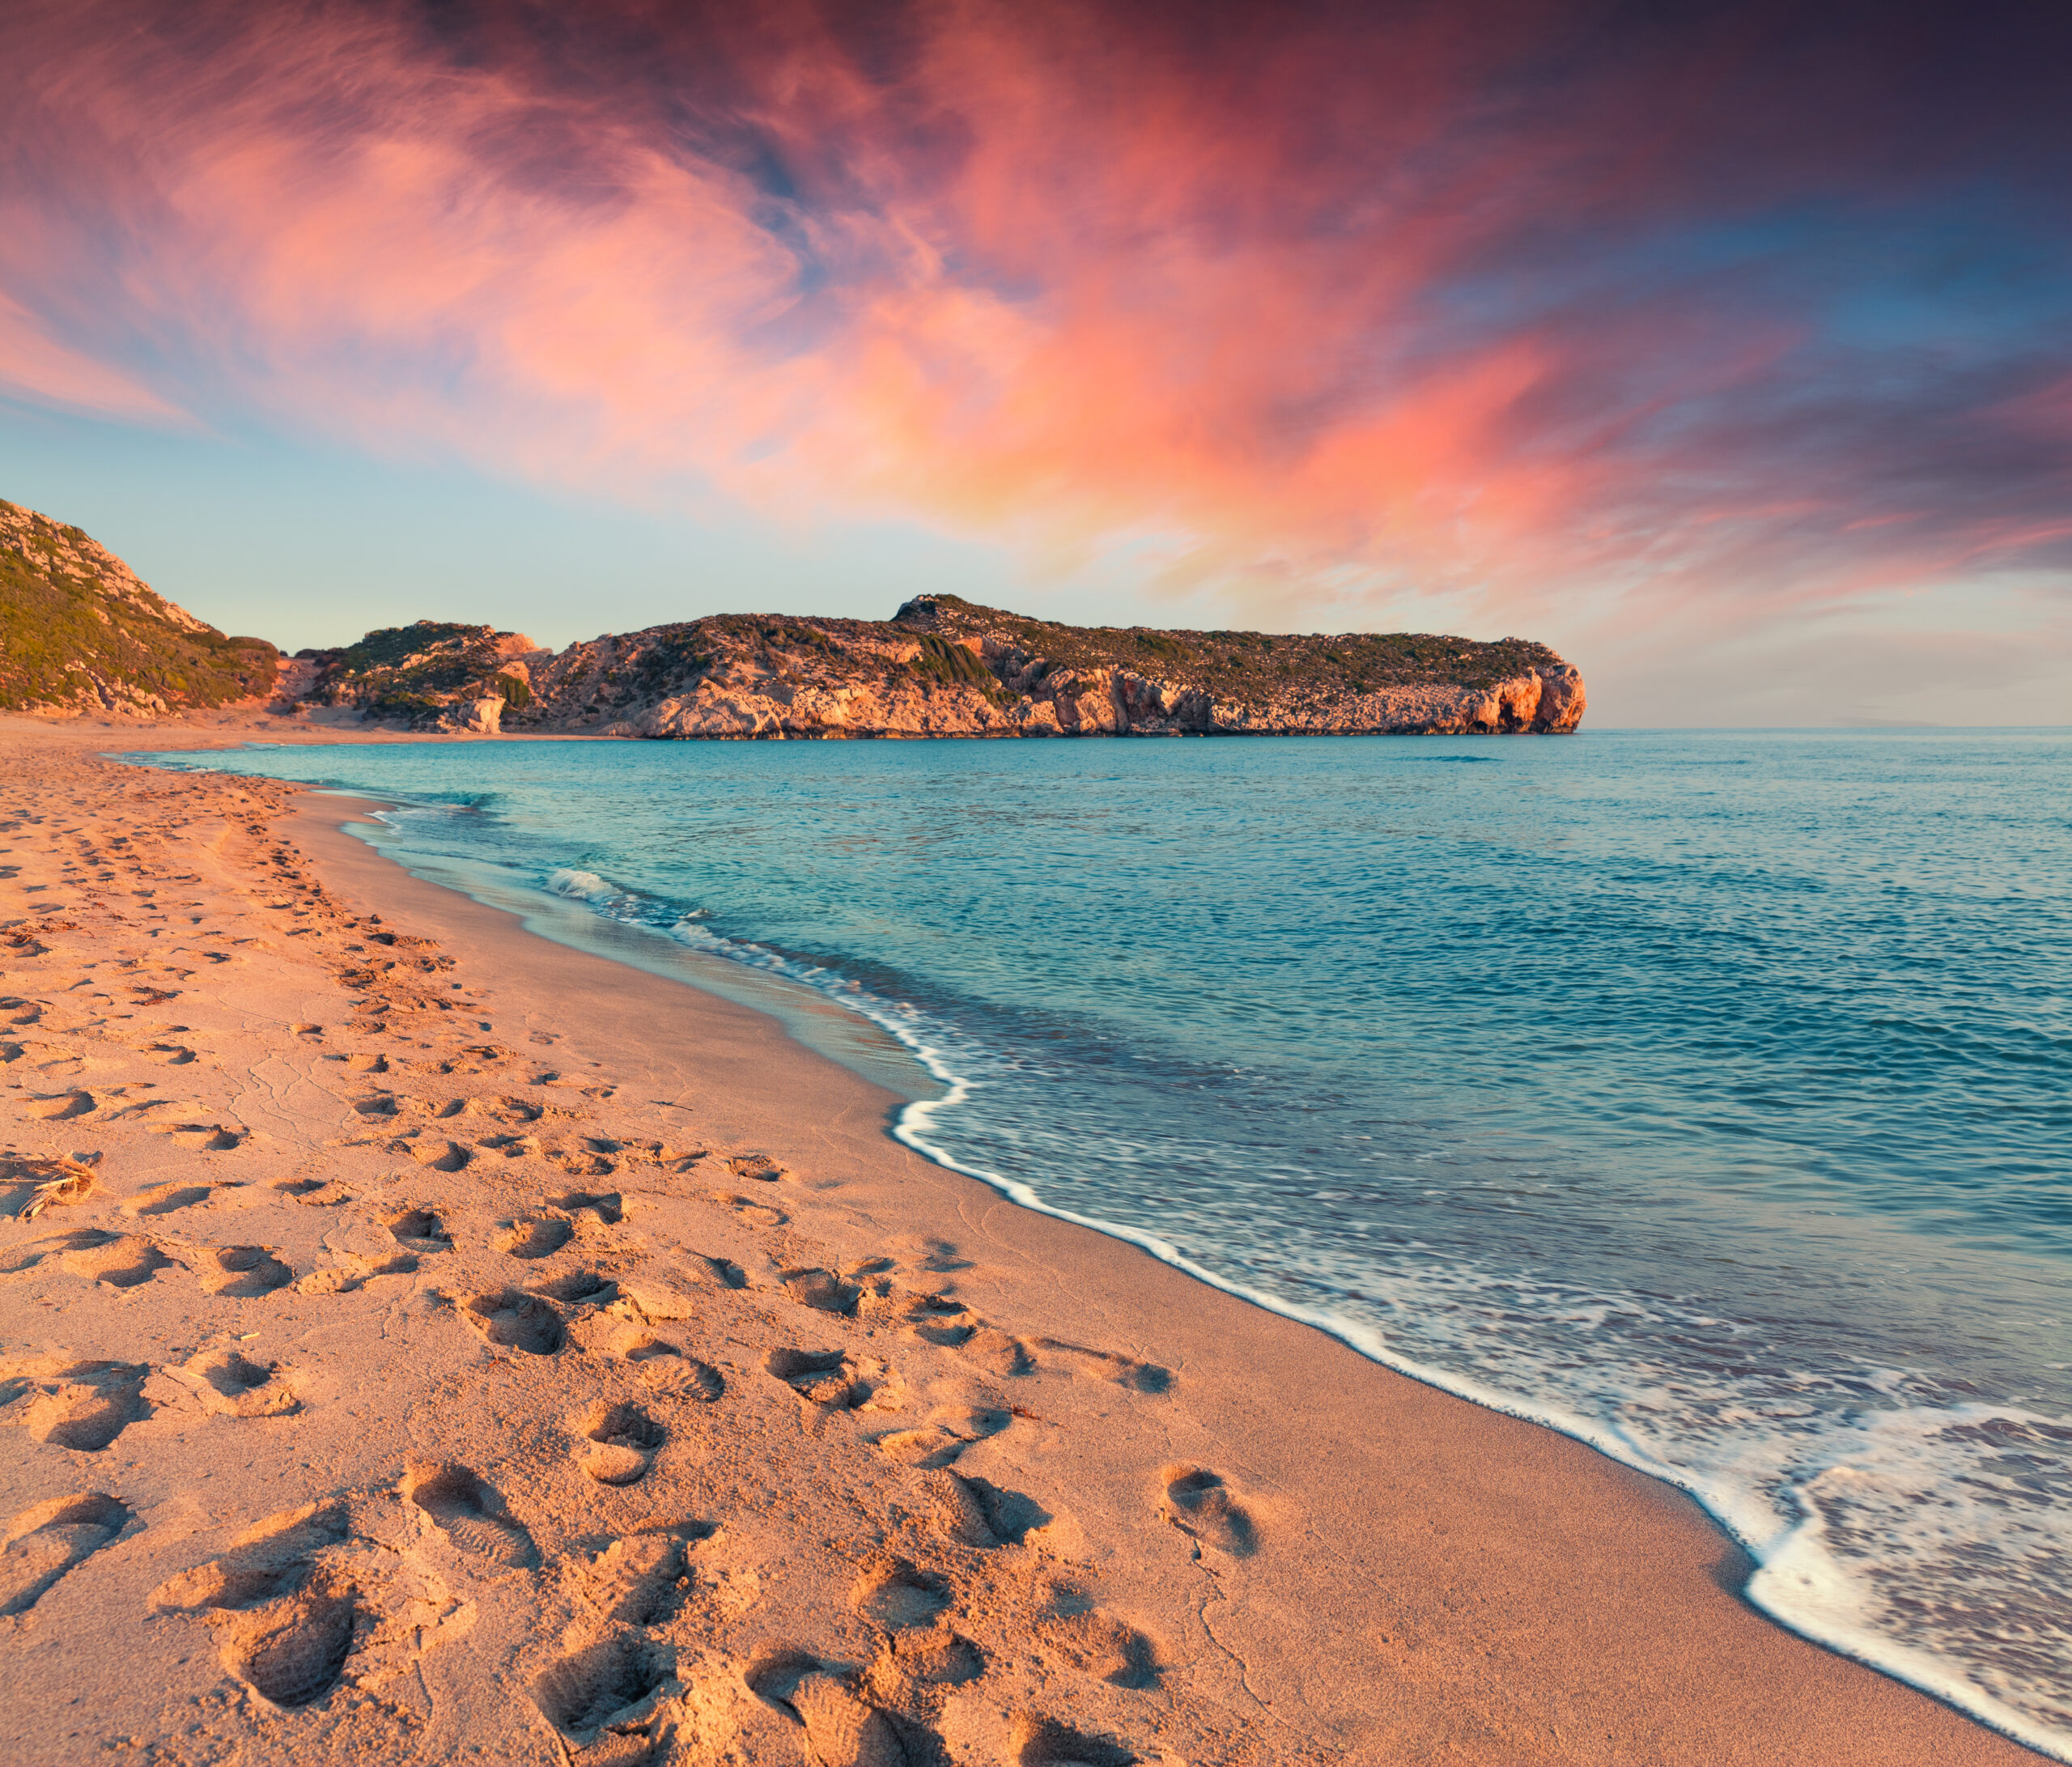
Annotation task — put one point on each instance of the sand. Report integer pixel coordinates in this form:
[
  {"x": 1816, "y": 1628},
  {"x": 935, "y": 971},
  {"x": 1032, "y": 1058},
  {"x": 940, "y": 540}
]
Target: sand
[{"x": 423, "y": 1342}]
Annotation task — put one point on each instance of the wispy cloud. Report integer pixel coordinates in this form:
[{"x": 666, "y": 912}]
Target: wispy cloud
[
  {"x": 39, "y": 369},
  {"x": 1508, "y": 301}
]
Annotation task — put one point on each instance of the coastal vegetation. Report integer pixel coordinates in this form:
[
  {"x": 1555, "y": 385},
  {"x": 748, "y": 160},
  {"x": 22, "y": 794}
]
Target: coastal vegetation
[
  {"x": 1246, "y": 667},
  {"x": 80, "y": 632},
  {"x": 416, "y": 673}
]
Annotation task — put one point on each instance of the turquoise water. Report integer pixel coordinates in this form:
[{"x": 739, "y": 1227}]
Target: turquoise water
[{"x": 1708, "y": 1096}]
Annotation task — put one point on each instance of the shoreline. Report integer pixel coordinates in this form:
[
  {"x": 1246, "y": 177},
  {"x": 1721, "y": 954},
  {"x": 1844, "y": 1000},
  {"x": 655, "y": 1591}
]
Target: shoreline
[
  {"x": 1397, "y": 1573},
  {"x": 1914, "y": 1669},
  {"x": 1787, "y": 1572},
  {"x": 899, "y": 1127}
]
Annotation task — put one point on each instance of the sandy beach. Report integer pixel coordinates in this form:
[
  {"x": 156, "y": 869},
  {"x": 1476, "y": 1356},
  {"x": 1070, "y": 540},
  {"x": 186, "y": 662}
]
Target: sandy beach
[{"x": 425, "y": 1342}]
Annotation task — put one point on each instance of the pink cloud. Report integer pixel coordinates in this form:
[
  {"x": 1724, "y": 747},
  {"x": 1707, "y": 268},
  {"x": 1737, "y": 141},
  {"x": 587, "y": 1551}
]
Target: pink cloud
[
  {"x": 1333, "y": 307},
  {"x": 37, "y": 368}
]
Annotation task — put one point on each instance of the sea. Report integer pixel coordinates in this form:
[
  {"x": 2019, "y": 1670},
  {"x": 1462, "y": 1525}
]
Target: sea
[{"x": 1706, "y": 1096}]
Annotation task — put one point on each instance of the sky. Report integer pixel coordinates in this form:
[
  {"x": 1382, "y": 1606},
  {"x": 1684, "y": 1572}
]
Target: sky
[{"x": 1727, "y": 348}]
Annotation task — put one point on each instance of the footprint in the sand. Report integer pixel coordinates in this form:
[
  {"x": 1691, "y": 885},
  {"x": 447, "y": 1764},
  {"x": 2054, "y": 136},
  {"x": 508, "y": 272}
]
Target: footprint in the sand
[
  {"x": 355, "y": 1274},
  {"x": 163, "y": 1199},
  {"x": 721, "y": 1272},
  {"x": 821, "y": 1377},
  {"x": 747, "y": 1208},
  {"x": 120, "y": 1260},
  {"x": 939, "y": 1319},
  {"x": 620, "y": 1442},
  {"x": 421, "y": 1229},
  {"x": 1098, "y": 1643},
  {"x": 477, "y": 1058},
  {"x": 241, "y": 1271},
  {"x": 85, "y": 1406},
  {"x": 1198, "y": 1502},
  {"x": 642, "y": 1580},
  {"x": 284, "y": 1615},
  {"x": 47, "y": 1539},
  {"x": 51, "y": 1061},
  {"x": 666, "y": 1367},
  {"x": 931, "y": 1445},
  {"x": 364, "y": 1063},
  {"x": 915, "y": 1659},
  {"x": 315, "y": 1193},
  {"x": 535, "y": 1236},
  {"x": 506, "y": 1108},
  {"x": 843, "y": 1729},
  {"x": 1139, "y": 1377},
  {"x": 668, "y": 1155},
  {"x": 822, "y": 1290},
  {"x": 515, "y": 1320},
  {"x": 435, "y": 1151},
  {"x": 944, "y": 1437},
  {"x": 607, "y": 1207},
  {"x": 168, "y": 1055},
  {"x": 998, "y": 1353},
  {"x": 470, "y": 1514},
  {"x": 898, "y": 1595},
  {"x": 201, "y": 1137},
  {"x": 976, "y": 1512},
  {"x": 578, "y": 1287},
  {"x": 1036, "y": 1741},
  {"x": 60, "y": 1106},
  {"x": 234, "y": 1385},
  {"x": 608, "y": 1685},
  {"x": 512, "y": 1146},
  {"x": 758, "y": 1166}
]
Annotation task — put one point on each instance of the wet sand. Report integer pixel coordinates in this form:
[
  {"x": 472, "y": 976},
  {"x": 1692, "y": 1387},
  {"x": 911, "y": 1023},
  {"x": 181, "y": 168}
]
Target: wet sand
[{"x": 445, "y": 1342}]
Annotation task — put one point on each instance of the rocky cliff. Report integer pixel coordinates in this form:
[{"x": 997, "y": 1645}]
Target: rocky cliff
[
  {"x": 944, "y": 667},
  {"x": 80, "y": 633}
]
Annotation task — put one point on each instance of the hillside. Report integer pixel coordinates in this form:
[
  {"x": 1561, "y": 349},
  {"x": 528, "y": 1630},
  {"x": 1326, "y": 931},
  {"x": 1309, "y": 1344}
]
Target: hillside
[
  {"x": 80, "y": 633},
  {"x": 943, "y": 666},
  {"x": 431, "y": 675}
]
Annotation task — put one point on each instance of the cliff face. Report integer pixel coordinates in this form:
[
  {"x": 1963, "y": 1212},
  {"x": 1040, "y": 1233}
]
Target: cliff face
[
  {"x": 80, "y": 633},
  {"x": 944, "y": 667}
]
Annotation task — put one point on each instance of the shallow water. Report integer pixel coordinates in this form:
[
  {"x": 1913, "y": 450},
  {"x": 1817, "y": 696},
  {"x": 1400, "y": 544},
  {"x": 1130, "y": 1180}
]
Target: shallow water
[{"x": 1706, "y": 1095}]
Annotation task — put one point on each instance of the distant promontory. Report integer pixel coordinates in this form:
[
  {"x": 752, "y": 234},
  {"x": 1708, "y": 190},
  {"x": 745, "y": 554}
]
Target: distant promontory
[
  {"x": 80, "y": 633},
  {"x": 944, "y": 667}
]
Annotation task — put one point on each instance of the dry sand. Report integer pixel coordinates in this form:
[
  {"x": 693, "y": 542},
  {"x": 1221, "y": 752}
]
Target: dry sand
[{"x": 423, "y": 1343}]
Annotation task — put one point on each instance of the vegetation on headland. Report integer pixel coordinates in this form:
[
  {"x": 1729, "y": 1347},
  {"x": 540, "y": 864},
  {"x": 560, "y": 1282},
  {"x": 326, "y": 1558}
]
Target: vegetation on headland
[
  {"x": 1244, "y": 667},
  {"x": 416, "y": 673},
  {"x": 80, "y": 633}
]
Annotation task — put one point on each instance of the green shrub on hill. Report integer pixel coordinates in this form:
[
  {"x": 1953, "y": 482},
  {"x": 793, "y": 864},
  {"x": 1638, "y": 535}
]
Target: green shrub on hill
[
  {"x": 78, "y": 631},
  {"x": 1243, "y": 668},
  {"x": 418, "y": 673}
]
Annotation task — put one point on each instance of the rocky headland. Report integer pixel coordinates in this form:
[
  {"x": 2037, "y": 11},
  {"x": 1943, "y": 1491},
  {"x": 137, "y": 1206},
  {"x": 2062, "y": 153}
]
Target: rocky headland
[
  {"x": 945, "y": 667},
  {"x": 81, "y": 634}
]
